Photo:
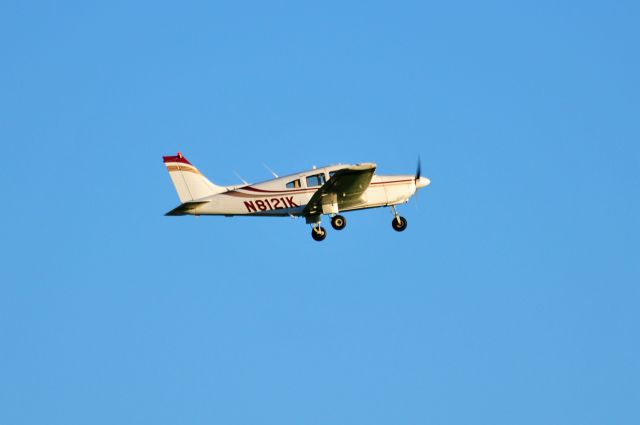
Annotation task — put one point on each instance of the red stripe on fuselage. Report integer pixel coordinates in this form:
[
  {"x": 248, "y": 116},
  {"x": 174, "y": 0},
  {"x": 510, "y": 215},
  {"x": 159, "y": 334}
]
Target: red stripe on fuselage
[
  {"x": 295, "y": 191},
  {"x": 392, "y": 181},
  {"x": 255, "y": 189},
  {"x": 303, "y": 190}
]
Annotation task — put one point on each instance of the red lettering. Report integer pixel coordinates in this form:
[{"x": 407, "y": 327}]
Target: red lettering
[
  {"x": 261, "y": 205},
  {"x": 270, "y": 204}
]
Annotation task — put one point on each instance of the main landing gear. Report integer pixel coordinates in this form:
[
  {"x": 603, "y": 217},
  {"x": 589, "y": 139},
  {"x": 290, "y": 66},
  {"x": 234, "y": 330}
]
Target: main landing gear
[
  {"x": 318, "y": 233},
  {"x": 338, "y": 222},
  {"x": 399, "y": 223}
]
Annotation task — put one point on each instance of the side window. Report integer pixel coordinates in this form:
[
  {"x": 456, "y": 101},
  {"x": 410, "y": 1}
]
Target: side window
[
  {"x": 331, "y": 173},
  {"x": 315, "y": 180},
  {"x": 294, "y": 184}
]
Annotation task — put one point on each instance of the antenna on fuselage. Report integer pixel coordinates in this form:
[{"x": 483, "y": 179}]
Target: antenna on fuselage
[
  {"x": 240, "y": 177},
  {"x": 270, "y": 170}
]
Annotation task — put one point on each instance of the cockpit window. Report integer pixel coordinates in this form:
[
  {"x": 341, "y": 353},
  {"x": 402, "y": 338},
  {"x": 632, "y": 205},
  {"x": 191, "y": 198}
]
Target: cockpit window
[
  {"x": 331, "y": 173},
  {"x": 294, "y": 184},
  {"x": 315, "y": 180}
]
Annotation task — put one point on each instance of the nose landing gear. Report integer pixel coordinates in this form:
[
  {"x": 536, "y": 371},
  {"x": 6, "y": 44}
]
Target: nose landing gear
[{"x": 399, "y": 223}]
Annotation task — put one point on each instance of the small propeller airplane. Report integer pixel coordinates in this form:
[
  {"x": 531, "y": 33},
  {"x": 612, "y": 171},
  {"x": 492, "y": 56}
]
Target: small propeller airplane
[{"x": 321, "y": 191}]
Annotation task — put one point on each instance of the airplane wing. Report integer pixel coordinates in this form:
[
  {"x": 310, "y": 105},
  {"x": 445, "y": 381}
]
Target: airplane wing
[{"x": 343, "y": 190}]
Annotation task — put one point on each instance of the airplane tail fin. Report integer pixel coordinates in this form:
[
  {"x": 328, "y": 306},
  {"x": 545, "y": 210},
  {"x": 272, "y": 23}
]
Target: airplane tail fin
[{"x": 190, "y": 183}]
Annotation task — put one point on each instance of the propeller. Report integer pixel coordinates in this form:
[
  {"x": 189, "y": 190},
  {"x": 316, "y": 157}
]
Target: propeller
[{"x": 418, "y": 179}]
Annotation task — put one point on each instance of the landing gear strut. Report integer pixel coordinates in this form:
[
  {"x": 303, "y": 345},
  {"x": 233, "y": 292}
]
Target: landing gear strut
[
  {"x": 318, "y": 233},
  {"x": 338, "y": 222},
  {"x": 399, "y": 223}
]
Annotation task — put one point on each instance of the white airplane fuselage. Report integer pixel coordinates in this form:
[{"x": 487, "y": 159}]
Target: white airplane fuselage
[{"x": 273, "y": 198}]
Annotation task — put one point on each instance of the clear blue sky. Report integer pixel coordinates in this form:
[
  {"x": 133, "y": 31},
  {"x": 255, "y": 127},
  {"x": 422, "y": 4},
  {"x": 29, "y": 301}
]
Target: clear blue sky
[{"x": 512, "y": 298}]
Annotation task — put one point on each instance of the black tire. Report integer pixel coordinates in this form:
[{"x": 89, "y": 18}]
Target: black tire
[
  {"x": 399, "y": 226},
  {"x": 318, "y": 233},
  {"x": 338, "y": 222}
]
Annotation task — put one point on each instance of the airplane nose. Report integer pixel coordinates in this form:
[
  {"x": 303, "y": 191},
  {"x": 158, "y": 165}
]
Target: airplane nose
[{"x": 422, "y": 182}]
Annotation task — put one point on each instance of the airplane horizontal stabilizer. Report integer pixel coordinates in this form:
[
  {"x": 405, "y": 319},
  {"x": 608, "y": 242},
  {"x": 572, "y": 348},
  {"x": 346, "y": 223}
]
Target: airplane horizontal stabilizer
[{"x": 186, "y": 208}]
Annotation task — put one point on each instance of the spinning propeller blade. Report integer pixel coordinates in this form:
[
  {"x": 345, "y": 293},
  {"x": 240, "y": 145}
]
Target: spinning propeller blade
[{"x": 419, "y": 180}]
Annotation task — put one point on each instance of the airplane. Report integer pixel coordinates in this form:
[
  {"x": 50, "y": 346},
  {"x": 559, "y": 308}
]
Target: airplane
[{"x": 329, "y": 190}]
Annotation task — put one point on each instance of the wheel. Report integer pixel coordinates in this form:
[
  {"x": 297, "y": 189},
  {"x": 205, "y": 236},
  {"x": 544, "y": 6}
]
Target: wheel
[
  {"x": 399, "y": 223},
  {"x": 318, "y": 233},
  {"x": 338, "y": 222}
]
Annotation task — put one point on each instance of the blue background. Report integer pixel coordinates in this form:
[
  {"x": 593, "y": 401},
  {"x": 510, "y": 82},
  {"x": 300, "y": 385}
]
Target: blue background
[{"x": 512, "y": 298}]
